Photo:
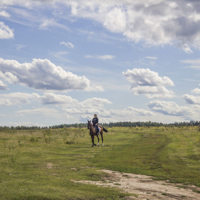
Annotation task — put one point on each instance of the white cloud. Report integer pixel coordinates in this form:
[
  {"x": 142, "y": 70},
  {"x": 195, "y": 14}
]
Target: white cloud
[
  {"x": 62, "y": 55},
  {"x": 95, "y": 88},
  {"x": 145, "y": 81},
  {"x": 20, "y": 46},
  {"x": 115, "y": 20},
  {"x": 3, "y": 86},
  {"x": 131, "y": 111},
  {"x": 17, "y": 98},
  {"x": 67, "y": 44},
  {"x": 106, "y": 57},
  {"x": 185, "y": 48},
  {"x": 44, "y": 75},
  {"x": 89, "y": 56},
  {"x": 9, "y": 77},
  {"x": 155, "y": 22},
  {"x": 40, "y": 111},
  {"x": 169, "y": 108},
  {"x": 88, "y": 106},
  {"x": 95, "y": 101},
  {"x": 76, "y": 109},
  {"x": 196, "y": 91},
  {"x": 79, "y": 111},
  {"x": 191, "y": 99},
  {"x": 194, "y": 64},
  {"x": 106, "y": 115},
  {"x": 52, "y": 23},
  {"x": 3, "y": 13},
  {"x": 5, "y": 31},
  {"x": 50, "y": 98},
  {"x": 152, "y": 58},
  {"x": 102, "y": 57},
  {"x": 73, "y": 108}
]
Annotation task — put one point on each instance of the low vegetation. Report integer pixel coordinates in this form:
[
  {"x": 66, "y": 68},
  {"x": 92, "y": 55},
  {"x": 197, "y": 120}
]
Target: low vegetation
[{"x": 43, "y": 164}]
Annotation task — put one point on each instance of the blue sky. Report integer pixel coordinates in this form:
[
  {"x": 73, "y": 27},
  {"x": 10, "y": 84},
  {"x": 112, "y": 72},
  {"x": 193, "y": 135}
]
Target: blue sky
[{"x": 62, "y": 61}]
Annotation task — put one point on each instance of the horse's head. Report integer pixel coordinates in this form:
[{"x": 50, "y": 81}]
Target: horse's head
[{"x": 89, "y": 124}]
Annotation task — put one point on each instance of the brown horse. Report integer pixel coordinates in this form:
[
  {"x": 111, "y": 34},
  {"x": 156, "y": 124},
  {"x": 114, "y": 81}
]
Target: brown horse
[{"x": 93, "y": 133}]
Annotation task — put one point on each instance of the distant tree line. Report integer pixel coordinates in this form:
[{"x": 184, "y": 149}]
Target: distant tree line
[{"x": 112, "y": 124}]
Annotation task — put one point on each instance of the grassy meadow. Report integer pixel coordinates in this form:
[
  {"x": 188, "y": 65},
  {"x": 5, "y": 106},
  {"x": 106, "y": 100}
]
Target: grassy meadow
[{"x": 42, "y": 164}]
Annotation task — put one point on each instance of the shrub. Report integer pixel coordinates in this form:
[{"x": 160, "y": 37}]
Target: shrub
[{"x": 33, "y": 139}]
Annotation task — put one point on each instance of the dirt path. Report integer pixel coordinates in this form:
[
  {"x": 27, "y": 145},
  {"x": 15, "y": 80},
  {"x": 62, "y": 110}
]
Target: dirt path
[{"x": 147, "y": 188}]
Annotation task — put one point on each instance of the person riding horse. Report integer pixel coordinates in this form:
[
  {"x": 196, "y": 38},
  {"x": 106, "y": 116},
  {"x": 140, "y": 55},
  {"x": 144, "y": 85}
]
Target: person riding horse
[
  {"x": 95, "y": 130},
  {"x": 95, "y": 122}
]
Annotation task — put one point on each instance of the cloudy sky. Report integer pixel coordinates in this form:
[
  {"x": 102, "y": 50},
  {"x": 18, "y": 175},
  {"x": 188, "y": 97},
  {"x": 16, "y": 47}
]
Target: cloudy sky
[{"x": 62, "y": 61}]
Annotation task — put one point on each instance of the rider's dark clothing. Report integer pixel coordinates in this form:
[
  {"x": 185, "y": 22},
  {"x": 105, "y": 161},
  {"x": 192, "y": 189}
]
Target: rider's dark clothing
[{"x": 95, "y": 121}]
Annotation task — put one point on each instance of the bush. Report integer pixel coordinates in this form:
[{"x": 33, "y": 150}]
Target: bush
[{"x": 33, "y": 139}]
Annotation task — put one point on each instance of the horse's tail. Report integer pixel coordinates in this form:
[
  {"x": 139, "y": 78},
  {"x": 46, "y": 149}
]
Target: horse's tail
[{"x": 105, "y": 129}]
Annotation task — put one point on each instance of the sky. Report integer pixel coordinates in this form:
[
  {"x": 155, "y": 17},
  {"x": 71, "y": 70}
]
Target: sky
[{"x": 63, "y": 61}]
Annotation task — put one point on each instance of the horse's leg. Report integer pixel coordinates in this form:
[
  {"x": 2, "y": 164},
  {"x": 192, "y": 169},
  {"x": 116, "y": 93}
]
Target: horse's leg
[
  {"x": 98, "y": 140},
  {"x": 102, "y": 138},
  {"x": 94, "y": 131},
  {"x": 92, "y": 136},
  {"x": 92, "y": 141}
]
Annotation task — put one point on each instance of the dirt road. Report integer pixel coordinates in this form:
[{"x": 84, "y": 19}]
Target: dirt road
[{"x": 147, "y": 188}]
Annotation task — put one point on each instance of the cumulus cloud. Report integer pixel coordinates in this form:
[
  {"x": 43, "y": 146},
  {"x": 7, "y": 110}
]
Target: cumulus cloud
[
  {"x": 155, "y": 22},
  {"x": 88, "y": 106},
  {"x": 5, "y": 31},
  {"x": 115, "y": 20},
  {"x": 69, "y": 108},
  {"x": 112, "y": 115},
  {"x": 196, "y": 91},
  {"x": 149, "y": 83},
  {"x": 67, "y": 44},
  {"x": 69, "y": 105},
  {"x": 73, "y": 107},
  {"x": 191, "y": 99},
  {"x": 51, "y": 98},
  {"x": 17, "y": 98},
  {"x": 169, "y": 108},
  {"x": 102, "y": 57},
  {"x": 86, "y": 109},
  {"x": 44, "y": 75},
  {"x": 3, "y": 86}
]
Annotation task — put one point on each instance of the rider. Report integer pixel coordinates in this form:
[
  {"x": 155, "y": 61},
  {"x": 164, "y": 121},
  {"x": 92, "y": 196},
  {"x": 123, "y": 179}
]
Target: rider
[{"x": 95, "y": 121}]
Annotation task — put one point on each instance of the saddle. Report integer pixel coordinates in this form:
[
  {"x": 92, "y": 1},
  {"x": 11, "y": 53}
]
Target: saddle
[{"x": 97, "y": 131}]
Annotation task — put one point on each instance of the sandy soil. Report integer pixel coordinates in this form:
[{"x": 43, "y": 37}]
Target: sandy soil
[{"x": 146, "y": 188}]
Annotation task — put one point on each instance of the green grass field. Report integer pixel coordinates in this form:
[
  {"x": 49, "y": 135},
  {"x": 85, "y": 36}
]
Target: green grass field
[{"x": 41, "y": 164}]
